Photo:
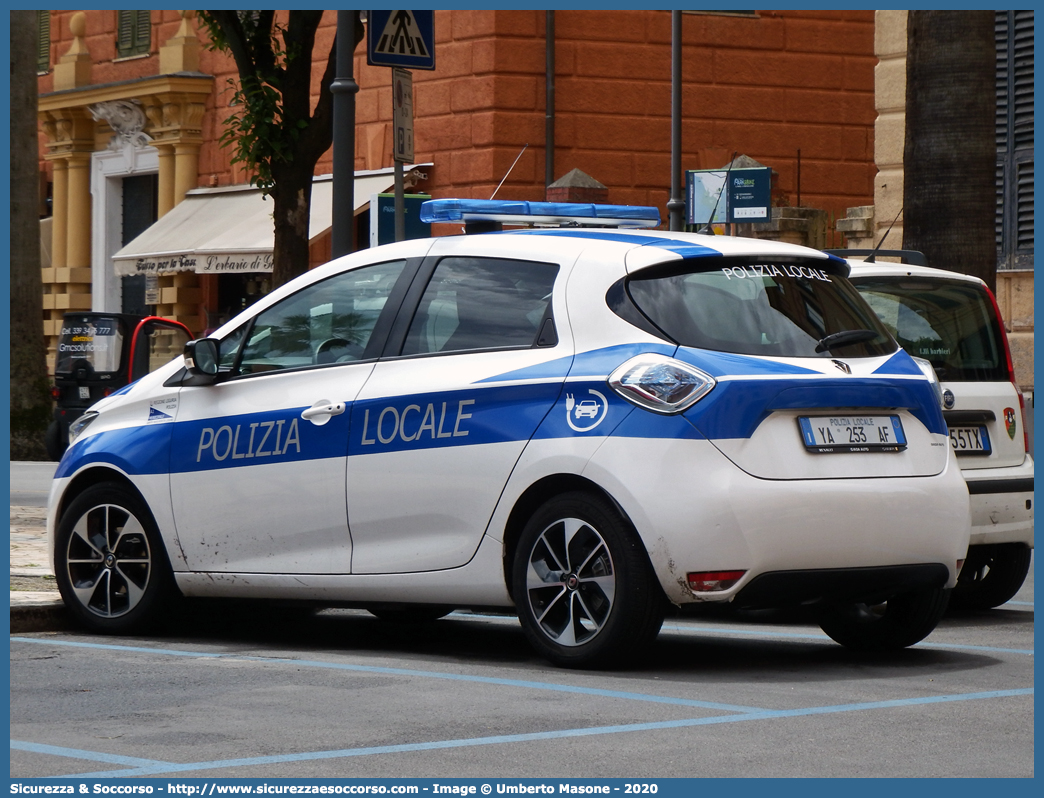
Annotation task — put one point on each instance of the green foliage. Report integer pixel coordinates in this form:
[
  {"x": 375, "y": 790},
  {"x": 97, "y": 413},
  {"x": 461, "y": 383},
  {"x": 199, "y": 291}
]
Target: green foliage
[{"x": 258, "y": 131}]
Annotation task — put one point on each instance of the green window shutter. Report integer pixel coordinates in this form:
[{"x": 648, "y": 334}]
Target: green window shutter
[
  {"x": 1014, "y": 220},
  {"x": 43, "y": 53},
  {"x": 134, "y": 33},
  {"x": 143, "y": 31}
]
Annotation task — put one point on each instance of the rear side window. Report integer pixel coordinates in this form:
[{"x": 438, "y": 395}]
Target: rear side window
[
  {"x": 771, "y": 308},
  {"x": 482, "y": 303},
  {"x": 950, "y": 323}
]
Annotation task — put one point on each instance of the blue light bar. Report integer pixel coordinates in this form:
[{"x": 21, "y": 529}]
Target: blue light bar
[{"x": 542, "y": 213}]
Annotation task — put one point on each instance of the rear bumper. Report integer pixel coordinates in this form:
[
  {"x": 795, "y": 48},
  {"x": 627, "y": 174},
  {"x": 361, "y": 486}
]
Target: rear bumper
[
  {"x": 1001, "y": 504},
  {"x": 698, "y": 512},
  {"x": 791, "y": 588}
]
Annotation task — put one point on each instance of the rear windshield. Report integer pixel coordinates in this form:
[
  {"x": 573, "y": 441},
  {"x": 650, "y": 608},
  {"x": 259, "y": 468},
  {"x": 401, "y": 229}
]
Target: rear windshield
[
  {"x": 762, "y": 307},
  {"x": 95, "y": 341},
  {"x": 950, "y": 323}
]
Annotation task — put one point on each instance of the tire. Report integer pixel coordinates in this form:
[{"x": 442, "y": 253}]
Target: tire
[
  {"x": 53, "y": 444},
  {"x": 110, "y": 564},
  {"x": 897, "y": 623},
  {"x": 991, "y": 575},
  {"x": 422, "y": 613},
  {"x": 584, "y": 590}
]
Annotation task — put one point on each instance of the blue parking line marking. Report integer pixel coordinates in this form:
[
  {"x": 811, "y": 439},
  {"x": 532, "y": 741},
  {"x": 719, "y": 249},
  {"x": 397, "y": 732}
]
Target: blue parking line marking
[
  {"x": 561, "y": 688},
  {"x": 76, "y": 753},
  {"x": 152, "y": 769}
]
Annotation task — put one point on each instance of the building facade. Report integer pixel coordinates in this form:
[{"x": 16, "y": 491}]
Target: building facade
[{"x": 132, "y": 106}]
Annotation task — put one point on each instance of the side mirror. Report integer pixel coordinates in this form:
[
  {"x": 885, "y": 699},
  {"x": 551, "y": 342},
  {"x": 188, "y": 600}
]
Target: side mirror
[{"x": 201, "y": 357}]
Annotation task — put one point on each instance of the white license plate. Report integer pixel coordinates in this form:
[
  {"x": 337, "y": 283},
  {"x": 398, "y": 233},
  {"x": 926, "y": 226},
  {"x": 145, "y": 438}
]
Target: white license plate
[
  {"x": 855, "y": 433},
  {"x": 85, "y": 393},
  {"x": 970, "y": 440}
]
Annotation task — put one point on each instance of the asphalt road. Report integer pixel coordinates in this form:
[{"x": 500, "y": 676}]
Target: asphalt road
[
  {"x": 247, "y": 690},
  {"x": 30, "y": 483}
]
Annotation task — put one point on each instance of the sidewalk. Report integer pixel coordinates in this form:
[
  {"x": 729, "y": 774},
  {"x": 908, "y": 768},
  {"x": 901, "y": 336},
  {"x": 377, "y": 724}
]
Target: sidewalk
[{"x": 36, "y": 605}]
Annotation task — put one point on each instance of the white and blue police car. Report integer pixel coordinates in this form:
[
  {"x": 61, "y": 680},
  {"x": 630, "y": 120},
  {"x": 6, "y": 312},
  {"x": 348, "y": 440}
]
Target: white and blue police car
[{"x": 580, "y": 419}]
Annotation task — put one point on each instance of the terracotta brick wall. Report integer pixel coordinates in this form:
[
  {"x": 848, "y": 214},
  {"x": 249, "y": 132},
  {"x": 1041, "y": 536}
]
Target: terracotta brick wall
[{"x": 764, "y": 87}]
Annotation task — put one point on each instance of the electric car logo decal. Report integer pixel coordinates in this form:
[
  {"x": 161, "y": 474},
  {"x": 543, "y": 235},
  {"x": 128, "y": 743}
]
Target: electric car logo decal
[
  {"x": 588, "y": 413},
  {"x": 1009, "y": 421},
  {"x": 842, "y": 366}
]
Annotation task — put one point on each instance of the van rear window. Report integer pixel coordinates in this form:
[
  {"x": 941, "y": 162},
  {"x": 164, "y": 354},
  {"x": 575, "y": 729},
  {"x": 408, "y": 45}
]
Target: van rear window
[
  {"x": 950, "y": 323},
  {"x": 761, "y": 307},
  {"x": 95, "y": 341}
]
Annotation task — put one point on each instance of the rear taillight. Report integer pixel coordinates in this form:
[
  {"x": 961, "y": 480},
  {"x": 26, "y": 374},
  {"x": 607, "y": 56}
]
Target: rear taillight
[
  {"x": 661, "y": 384},
  {"x": 56, "y": 393},
  {"x": 713, "y": 581},
  {"x": 1011, "y": 367}
]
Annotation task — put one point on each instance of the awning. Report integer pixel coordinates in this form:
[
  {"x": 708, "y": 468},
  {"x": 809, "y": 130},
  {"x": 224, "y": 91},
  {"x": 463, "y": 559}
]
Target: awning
[{"x": 230, "y": 230}]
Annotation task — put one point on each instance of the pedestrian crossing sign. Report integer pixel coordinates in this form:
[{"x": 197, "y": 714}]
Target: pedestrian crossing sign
[{"x": 401, "y": 39}]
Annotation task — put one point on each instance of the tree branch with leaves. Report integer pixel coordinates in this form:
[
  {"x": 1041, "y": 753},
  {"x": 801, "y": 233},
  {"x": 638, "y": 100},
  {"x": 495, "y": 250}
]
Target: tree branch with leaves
[{"x": 274, "y": 131}]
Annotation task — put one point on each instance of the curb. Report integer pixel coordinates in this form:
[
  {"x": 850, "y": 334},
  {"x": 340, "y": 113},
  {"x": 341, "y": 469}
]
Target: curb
[{"x": 40, "y": 615}]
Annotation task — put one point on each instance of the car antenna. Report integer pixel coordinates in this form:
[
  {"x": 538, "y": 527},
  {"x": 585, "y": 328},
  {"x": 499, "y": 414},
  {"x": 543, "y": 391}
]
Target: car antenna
[
  {"x": 707, "y": 229},
  {"x": 486, "y": 227},
  {"x": 873, "y": 254},
  {"x": 491, "y": 196}
]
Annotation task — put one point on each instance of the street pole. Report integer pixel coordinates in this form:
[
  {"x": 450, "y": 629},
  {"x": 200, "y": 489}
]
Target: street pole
[
  {"x": 344, "y": 89},
  {"x": 676, "y": 204}
]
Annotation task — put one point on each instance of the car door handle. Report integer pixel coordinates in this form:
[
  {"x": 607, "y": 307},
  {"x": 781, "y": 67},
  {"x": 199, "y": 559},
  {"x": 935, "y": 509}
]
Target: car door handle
[{"x": 322, "y": 411}]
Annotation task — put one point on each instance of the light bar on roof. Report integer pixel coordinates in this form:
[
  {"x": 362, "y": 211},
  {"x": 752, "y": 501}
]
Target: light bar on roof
[{"x": 542, "y": 213}]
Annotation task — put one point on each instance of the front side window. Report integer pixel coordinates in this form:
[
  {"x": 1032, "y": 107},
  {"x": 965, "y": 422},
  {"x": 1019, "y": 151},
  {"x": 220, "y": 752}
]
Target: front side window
[
  {"x": 949, "y": 323},
  {"x": 482, "y": 303},
  {"x": 763, "y": 307},
  {"x": 328, "y": 322}
]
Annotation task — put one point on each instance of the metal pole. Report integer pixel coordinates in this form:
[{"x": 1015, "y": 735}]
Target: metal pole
[
  {"x": 400, "y": 204},
  {"x": 676, "y": 204},
  {"x": 344, "y": 89}
]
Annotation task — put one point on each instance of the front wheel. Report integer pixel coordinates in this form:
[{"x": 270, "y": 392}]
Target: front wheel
[
  {"x": 991, "y": 576},
  {"x": 583, "y": 586},
  {"x": 897, "y": 623},
  {"x": 110, "y": 565}
]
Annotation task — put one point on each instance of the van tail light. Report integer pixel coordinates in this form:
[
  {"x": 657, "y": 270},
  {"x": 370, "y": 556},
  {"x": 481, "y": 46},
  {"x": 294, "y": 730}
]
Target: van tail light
[
  {"x": 713, "y": 581},
  {"x": 661, "y": 384},
  {"x": 56, "y": 392},
  {"x": 1011, "y": 367}
]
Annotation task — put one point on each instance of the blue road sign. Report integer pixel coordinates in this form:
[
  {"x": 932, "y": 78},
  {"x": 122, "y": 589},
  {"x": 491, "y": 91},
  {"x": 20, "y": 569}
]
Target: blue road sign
[{"x": 401, "y": 39}]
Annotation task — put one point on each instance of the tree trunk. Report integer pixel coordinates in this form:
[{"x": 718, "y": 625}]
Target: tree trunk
[
  {"x": 292, "y": 200},
  {"x": 950, "y": 158},
  {"x": 30, "y": 393}
]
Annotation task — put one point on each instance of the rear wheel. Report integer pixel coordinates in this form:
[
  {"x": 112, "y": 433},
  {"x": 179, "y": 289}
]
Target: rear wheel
[
  {"x": 991, "y": 576},
  {"x": 110, "y": 565},
  {"x": 585, "y": 593},
  {"x": 897, "y": 623}
]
